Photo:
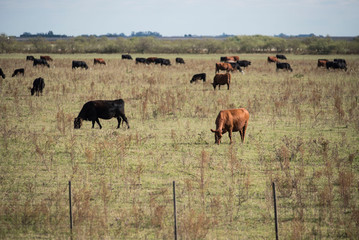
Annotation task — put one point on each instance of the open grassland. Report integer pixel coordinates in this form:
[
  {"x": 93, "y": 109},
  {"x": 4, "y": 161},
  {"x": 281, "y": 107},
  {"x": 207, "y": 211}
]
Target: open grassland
[{"x": 303, "y": 134}]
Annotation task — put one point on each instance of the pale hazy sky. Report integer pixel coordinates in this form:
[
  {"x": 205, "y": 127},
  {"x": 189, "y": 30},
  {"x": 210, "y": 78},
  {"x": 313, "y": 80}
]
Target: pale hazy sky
[{"x": 179, "y": 17}]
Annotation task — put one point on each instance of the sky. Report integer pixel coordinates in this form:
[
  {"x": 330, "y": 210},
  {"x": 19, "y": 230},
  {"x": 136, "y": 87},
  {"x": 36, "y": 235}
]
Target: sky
[{"x": 180, "y": 17}]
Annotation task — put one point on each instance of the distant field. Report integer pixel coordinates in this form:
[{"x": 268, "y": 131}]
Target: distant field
[{"x": 303, "y": 134}]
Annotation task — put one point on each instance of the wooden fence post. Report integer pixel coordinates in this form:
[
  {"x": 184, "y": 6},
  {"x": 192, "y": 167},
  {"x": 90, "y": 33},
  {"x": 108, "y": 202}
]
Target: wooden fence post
[
  {"x": 174, "y": 210},
  {"x": 70, "y": 204},
  {"x": 275, "y": 211}
]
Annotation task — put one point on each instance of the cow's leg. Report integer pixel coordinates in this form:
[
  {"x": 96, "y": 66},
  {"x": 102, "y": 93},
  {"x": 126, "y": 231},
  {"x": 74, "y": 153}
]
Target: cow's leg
[
  {"x": 244, "y": 132},
  {"x": 124, "y": 118},
  {"x": 227, "y": 86},
  {"x": 98, "y": 122},
  {"x": 119, "y": 121},
  {"x": 230, "y": 136}
]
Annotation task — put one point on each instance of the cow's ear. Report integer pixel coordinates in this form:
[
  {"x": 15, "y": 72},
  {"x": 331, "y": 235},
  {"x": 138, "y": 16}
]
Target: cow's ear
[{"x": 214, "y": 130}]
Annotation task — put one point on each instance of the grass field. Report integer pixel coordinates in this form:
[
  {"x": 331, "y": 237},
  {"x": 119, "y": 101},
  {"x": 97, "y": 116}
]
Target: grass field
[{"x": 303, "y": 134}]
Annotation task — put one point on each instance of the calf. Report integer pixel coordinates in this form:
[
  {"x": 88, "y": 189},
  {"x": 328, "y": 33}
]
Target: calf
[
  {"x": 199, "y": 76},
  {"x": 233, "y": 120},
  {"x": 180, "y": 60},
  {"x": 2, "y": 74},
  {"x": 285, "y": 66},
  {"x": 79, "y": 64},
  {"x": 105, "y": 109},
  {"x": 221, "y": 79},
  {"x": 37, "y": 86},
  {"x": 99, "y": 61},
  {"x": 40, "y": 62},
  {"x": 18, "y": 71}
]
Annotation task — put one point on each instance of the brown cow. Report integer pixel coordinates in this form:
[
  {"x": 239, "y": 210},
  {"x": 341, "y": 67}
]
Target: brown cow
[
  {"x": 221, "y": 79},
  {"x": 233, "y": 120},
  {"x": 229, "y": 58},
  {"x": 47, "y": 58},
  {"x": 224, "y": 66},
  {"x": 271, "y": 59},
  {"x": 99, "y": 61},
  {"x": 322, "y": 62}
]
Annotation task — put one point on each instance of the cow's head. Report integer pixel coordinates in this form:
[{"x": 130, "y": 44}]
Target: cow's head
[
  {"x": 217, "y": 136},
  {"x": 77, "y": 123}
]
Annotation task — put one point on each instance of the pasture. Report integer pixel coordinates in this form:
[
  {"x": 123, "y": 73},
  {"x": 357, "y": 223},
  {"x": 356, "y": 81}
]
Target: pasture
[{"x": 303, "y": 134}]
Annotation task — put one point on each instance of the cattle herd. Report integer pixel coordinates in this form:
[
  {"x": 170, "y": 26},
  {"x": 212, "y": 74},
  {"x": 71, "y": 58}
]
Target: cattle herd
[{"x": 234, "y": 120}]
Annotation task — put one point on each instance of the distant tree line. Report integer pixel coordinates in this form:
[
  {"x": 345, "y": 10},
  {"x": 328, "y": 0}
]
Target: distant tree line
[{"x": 152, "y": 44}]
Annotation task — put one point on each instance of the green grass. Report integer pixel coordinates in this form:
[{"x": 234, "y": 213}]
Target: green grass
[{"x": 302, "y": 134}]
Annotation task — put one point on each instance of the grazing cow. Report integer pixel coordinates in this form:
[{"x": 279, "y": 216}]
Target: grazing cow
[
  {"x": 180, "y": 60},
  {"x": 18, "y": 71},
  {"x": 221, "y": 79},
  {"x": 281, "y": 56},
  {"x": 152, "y": 60},
  {"x": 229, "y": 58},
  {"x": 2, "y": 74},
  {"x": 336, "y": 65},
  {"x": 244, "y": 63},
  {"x": 47, "y": 58},
  {"x": 224, "y": 66},
  {"x": 285, "y": 66},
  {"x": 236, "y": 66},
  {"x": 37, "y": 86},
  {"x": 79, "y": 64},
  {"x": 166, "y": 62},
  {"x": 322, "y": 62},
  {"x": 99, "y": 61},
  {"x": 126, "y": 56},
  {"x": 105, "y": 109},
  {"x": 40, "y": 62},
  {"x": 271, "y": 59},
  {"x": 233, "y": 120},
  {"x": 30, "y": 58},
  {"x": 199, "y": 76},
  {"x": 141, "y": 60},
  {"x": 158, "y": 60}
]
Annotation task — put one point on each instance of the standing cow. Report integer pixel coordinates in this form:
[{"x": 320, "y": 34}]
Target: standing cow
[
  {"x": 180, "y": 60},
  {"x": 105, "y": 109},
  {"x": 199, "y": 76},
  {"x": 221, "y": 79},
  {"x": 99, "y": 61},
  {"x": 79, "y": 64},
  {"x": 233, "y": 120},
  {"x": 40, "y": 62},
  {"x": 37, "y": 86}
]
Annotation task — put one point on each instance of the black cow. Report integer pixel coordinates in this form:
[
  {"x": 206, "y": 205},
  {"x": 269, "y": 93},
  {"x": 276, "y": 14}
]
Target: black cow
[
  {"x": 285, "y": 66},
  {"x": 18, "y": 71},
  {"x": 37, "y": 86},
  {"x": 30, "y": 58},
  {"x": 105, "y": 109},
  {"x": 199, "y": 76},
  {"x": 235, "y": 65},
  {"x": 2, "y": 74},
  {"x": 40, "y": 62},
  {"x": 180, "y": 60},
  {"x": 244, "y": 63},
  {"x": 79, "y": 64},
  {"x": 336, "y": 65},
  {"x": 126, "y": 56},
  {"x": 281, "y": 56},
  {"x": 141, "y": 60},
  {"x": 163, "y": 61}
]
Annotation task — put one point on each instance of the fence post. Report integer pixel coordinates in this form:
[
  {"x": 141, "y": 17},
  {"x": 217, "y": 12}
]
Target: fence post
[
  {"x": 174, "y": 209},
  {"x": 275, "y": 211},
  {"x": 70, "y": 207}
]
